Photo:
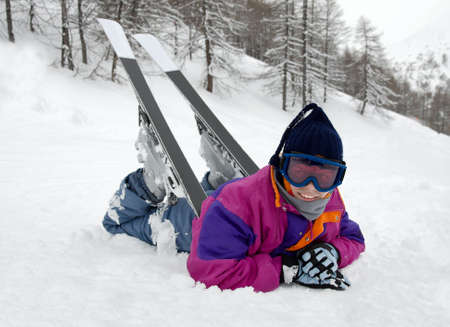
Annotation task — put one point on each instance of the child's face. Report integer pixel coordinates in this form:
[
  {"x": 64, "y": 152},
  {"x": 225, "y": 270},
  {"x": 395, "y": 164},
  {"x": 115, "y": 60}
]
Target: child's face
[{"x": 307, "y": 193}]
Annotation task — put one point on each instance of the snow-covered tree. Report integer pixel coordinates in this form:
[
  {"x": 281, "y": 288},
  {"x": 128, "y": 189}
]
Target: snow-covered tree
[
  {"x": 218, "y": 29},
  {"x": 258, "y": 35},
  {"x": 440, "y": 109},
  {"x": 304, "y": 43},
  {"x": 426, "y": 78},
  {"x": 286, "y": 67},
  {"x": 31, "y": 14},
  {"x": 348, "y": 64},
  {"x": 312, "y": 34},
  {"x": 334, "y": 33},
  {"x": 298, "y": 54},
  {"x": 81, "y": 31},
  {"x": 66, "y": 47},
  {"x": 190, "y": 14},
  {"x": 315, "y": 69},
  {"x": 371, "y": 64},
  {"x": 9, "y": 20}
]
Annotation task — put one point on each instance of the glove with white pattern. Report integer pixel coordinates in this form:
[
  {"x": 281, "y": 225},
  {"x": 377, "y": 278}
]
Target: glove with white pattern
[{"x": 317, "y": 267}]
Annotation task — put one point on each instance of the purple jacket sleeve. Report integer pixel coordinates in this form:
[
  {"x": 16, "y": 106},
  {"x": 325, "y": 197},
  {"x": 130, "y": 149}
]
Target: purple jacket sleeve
[
  {"x": 349, "y": 242},
  {"x": 220, "y": 252}
]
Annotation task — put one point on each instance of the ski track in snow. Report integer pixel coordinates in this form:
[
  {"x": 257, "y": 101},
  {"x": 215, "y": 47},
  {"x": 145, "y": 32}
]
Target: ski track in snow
[{"x": 67, "y": 143}]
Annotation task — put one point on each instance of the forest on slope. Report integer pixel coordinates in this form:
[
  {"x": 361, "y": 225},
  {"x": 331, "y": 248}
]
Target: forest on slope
[{"x": 309, "y": 50}]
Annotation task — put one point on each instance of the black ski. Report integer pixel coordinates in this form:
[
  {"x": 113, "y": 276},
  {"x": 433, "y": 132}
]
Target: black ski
[
  {"x": 177, "y": 162},
  {"x": 206, "y": 120}
]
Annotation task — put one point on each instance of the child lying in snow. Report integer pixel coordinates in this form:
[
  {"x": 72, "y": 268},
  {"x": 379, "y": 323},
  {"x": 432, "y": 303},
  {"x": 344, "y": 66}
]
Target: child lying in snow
[{"x": 284, "y": 224}]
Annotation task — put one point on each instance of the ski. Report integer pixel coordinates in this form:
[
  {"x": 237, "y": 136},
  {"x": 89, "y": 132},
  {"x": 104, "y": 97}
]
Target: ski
[
  {"x": 182, "y": 175},
  {"x": 206, "y": 120}
]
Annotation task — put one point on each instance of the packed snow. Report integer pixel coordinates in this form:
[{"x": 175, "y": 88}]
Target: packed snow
[{"x": 66, "y": 143}]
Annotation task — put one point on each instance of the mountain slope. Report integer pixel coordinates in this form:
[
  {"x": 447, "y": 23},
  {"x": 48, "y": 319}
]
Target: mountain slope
[{"x": 434, "y": 36}]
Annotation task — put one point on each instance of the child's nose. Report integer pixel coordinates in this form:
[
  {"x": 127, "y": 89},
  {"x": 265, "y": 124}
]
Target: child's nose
[{"x": 310, "y": 187}]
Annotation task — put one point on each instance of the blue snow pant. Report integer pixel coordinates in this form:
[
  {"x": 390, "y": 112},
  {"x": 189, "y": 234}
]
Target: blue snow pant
[{"x": 133, "y": 203}]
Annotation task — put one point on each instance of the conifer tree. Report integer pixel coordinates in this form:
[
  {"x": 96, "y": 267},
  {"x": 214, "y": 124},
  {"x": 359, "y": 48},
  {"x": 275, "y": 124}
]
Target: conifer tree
[
  {"x": 259, "y": 34},
  {"x": 304, "y": 50},
  {"x": 334, "y": 33},
  {"x": 348, "y": 64},
  {"x": 315, "y": 69},
  {"x": 9, "y": 21},
  {"x": 66, "y": 47},
  {"x": 31, "y": 14},
  {"x": 81, "y": 31},
  {"x": 285, "y": 73},
  {"x": 371, "y": 64},
  {"x": 218, "y": 30}
]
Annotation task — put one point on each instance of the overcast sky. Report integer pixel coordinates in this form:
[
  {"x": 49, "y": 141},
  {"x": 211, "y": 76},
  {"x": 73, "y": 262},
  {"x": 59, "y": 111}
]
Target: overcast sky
[{"x": 397, "y": 19}]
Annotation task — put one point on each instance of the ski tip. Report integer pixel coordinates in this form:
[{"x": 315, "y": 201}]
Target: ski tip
[
  {"x": 117, "y": 37},
  {"x": 156, "y": 51}
]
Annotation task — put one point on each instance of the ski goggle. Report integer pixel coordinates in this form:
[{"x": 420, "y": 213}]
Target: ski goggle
[{"x": 300, "y": 169}]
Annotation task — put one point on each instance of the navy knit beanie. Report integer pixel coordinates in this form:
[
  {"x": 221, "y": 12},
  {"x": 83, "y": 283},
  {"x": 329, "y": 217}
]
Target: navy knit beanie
[{"x": 313, "y": 134}]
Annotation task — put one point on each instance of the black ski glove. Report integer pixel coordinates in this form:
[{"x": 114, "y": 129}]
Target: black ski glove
[{"x": 315, "y": 266}]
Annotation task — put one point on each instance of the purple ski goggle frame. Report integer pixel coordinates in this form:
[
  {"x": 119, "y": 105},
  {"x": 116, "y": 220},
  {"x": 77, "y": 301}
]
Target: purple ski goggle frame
[{"x": 300, "y": 169}]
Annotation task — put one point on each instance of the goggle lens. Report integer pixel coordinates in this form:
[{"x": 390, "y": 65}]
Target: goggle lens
[{"x": 300, "y": 169}]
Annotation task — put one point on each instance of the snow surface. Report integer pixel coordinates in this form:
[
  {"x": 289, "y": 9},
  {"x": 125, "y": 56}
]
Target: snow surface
[{"x": 67, "y": 142}]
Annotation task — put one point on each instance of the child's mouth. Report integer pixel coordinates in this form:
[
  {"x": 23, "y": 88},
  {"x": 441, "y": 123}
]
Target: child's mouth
[{"x": 307, "y": 197}]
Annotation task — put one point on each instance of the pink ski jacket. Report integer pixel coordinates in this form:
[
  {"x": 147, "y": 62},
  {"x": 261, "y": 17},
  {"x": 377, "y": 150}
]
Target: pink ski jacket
[{"x": 246, "y": 225}]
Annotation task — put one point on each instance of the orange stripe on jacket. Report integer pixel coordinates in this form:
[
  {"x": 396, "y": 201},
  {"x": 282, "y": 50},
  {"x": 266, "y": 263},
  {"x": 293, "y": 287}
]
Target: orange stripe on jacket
[
  {"x": 275, "y": 188},
  {"x": 317, "y": 229}
]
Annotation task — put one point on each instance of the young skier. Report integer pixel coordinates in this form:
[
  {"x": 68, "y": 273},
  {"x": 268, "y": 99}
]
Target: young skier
[{"x": 286, "y": 223}]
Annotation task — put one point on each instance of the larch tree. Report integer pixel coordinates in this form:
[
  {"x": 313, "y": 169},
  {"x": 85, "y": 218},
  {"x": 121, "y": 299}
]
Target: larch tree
[
  {"x": 323, "y": 35},
  {"x": 440, "y": 108},
  {"x": 259, "y": 35},
  {"x": 334, "y": 33},
  {"x": 371, "y": 63},
  {"x": 31, "y": 15},
  {"x": 348, "y": 63},
  {"x": 9, "y": 21},
  {"x": 190, "y": 15},
  {"x": 66, "y": 46},
  {"x": 285, "y": 72},
  {"x": 81, "y": 31},
  {"x": 218, "y": 30},
  {"x": 323, "y": 30},
  {"x": 304, "y": 50},
  {"x": 314, "y": 55},
  {"x": 427, "y": 70}
]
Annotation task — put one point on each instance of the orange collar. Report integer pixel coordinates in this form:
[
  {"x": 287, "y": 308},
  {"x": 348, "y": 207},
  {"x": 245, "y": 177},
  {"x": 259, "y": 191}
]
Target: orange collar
[{"x": 275, "y": 188}]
